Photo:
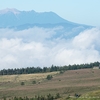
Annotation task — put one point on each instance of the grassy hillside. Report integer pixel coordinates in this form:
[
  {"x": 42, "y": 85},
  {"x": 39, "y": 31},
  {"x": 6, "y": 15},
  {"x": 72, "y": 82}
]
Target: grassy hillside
[
  {"x": 94, "y": 95},
  {"x": 83, "y": 81}
]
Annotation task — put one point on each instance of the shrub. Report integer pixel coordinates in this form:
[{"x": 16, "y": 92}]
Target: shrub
[
  {"x": 49, "y": 77},
  {"x": 34, "y": 82},
  {"x": 57, "y": 96},
  {"x": 61, "y": 72},
  {"x": 77, "y": 95},
  {"x": 22, "y": 83}
]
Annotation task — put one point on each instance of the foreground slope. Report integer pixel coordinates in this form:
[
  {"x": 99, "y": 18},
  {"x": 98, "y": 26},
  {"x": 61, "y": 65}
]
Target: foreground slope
[{"x": 74, "y": 81}]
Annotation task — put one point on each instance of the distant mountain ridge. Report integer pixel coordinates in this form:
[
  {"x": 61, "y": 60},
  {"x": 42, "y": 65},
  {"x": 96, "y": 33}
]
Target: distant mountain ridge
[
  {"x": 14, "y": 17},
  {"x": 20, "y": 20},
  {"x": 8, "y": 10}
]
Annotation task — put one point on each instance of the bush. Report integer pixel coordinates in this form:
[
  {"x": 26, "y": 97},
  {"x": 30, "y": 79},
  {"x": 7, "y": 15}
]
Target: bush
[
  {"x": 34, "y": 82},
  {"x": 22, "y": 83},
  {"x": 4, "y": 98},
  {"x": 49, "y": 77},
  {"x": 57, "y": 96},
  {"x": 77, "y": 95},
  {"x": 61, "y": 72}
]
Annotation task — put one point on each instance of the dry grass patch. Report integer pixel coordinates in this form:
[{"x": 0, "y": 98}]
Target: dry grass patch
[{"x": 25, "y": 77}]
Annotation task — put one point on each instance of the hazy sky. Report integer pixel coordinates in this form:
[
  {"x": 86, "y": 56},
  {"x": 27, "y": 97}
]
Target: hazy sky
[{"x": 79, "y": 11}]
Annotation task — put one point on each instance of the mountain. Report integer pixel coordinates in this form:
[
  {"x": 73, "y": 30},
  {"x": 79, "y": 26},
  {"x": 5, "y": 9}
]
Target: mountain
[
  {"x": 20, "y": 20},
  {"x": 14, "y": 17}
]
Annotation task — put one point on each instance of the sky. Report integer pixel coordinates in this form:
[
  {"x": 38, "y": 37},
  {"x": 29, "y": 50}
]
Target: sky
[{"x": 78, "y": 11}]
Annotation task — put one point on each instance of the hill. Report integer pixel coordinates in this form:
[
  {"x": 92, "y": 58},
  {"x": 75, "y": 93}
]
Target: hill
[{"x": 80, "y": 81}]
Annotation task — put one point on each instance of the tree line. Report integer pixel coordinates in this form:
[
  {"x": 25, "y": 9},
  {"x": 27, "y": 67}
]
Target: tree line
[{"x": 30, "y": 70}]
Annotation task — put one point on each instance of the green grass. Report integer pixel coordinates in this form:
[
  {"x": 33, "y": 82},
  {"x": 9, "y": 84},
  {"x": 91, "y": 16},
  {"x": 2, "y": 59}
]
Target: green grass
[
  {"x": 84, "y": 81},
  {"x": 95, "y": 95}
]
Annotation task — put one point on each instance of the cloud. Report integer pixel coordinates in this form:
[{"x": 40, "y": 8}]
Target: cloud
[{"x": 37, "y": 47}]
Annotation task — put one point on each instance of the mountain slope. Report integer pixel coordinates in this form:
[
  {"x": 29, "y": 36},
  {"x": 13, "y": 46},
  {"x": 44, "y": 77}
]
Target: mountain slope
[
  {"x": 13, "y": 17},
  {"x": 20, "y": 20}
]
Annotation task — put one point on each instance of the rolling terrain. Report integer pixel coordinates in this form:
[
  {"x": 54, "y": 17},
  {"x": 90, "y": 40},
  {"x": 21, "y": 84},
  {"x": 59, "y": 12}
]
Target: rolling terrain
[{"x": 82, "y": 81}]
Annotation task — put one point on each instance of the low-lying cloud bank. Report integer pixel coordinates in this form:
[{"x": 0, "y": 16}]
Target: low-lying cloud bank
[{"x": 37, "y": 47}]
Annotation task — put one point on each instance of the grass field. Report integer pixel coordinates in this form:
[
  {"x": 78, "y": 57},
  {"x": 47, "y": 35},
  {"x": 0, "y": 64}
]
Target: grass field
[{"x": 84, "y": 81}]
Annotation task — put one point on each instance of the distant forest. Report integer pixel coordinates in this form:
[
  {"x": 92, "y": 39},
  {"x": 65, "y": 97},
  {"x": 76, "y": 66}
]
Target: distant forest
[{"x": 30, "y": 70}]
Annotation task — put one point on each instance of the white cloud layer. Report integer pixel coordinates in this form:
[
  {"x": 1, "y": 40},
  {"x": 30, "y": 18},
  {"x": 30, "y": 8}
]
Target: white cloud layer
[{"x": 34, "y": 47}]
